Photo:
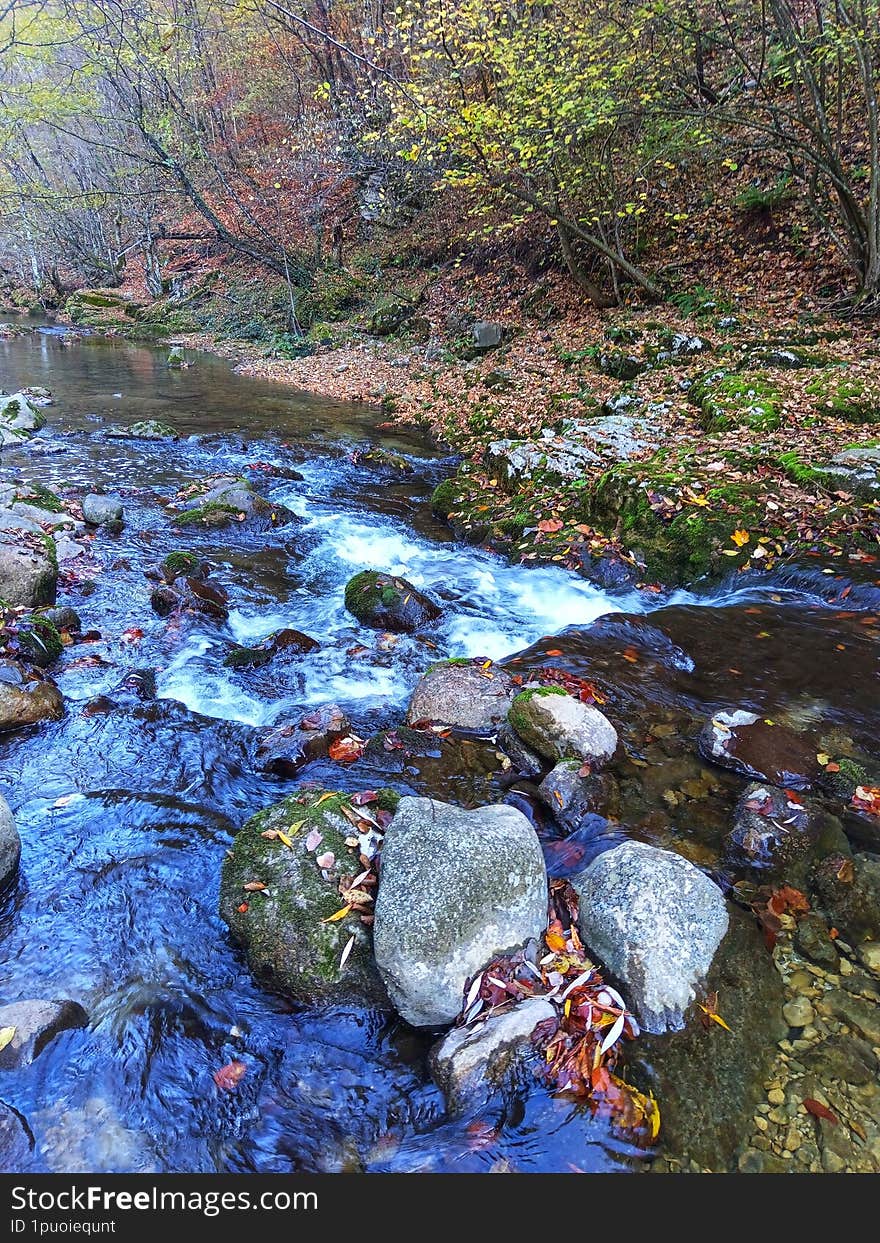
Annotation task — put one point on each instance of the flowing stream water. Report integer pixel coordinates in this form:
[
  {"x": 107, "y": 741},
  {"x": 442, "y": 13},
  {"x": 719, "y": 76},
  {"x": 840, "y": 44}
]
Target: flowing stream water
[{"x": 126, "y": 807}]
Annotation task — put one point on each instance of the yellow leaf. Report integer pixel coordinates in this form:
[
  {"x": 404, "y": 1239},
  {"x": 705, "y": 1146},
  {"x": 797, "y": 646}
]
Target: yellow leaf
[
  {"x": 324, "y": 797},
  {"x": 655, "y": 1118},
  {"x": 823, "y": 759},
  {"x": 6, "y": 1034},
  {"x": 284, "y": 838},
  {"x": 716, "y": 1018},
  {"x": 337, "y": 915},
  {"x": 740, "y": 537}
]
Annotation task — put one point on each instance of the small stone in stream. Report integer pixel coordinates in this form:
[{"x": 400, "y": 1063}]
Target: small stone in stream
[
  {"x": 457, "y": 888},
  {"x": 286, "y": 640},
  {"x": 231, "y": 501},
  {"x": 35, "y": 641},
  {"x": 25, "y": 700},
  {"x": 10, "y": 843},
  {"x": 284, "y": 749},
  {"x": 798, "y": 1012},
  {"x": 176, "y": 358},
  {"x": 655, "y": 921},
  {"x": 557, "y": 725},
  {"x": 470, "y": 1061},
  {"x": 102, "y": 510},
  {"x": 859, "y": 1014},
  {"x": 37, "y": 395},
  {"x": 292, "y": 932},
  {"x": 63, "y": 618},
  {"x": 144, "y": 429},
  {"x": 811, "y": 937},
  {"x": 771, "y": 828},
  {"x": 180, "y": 563},
  {"x": 164, "y": 600},
  {"x": 28, "y": 569},
  {"x": 847, "y": 890},
  {"x": 36, "y": 1022},
  {"x": 523, "y": 760},
  {"x": 869, "y": 955},
  {"x": 571, "y": 796},
  {"x": 472, "y": 695},
  {"x": 756, "y": 748},
  {"x": 386, "y": 602},
  {"x": 209, "y": 597}
]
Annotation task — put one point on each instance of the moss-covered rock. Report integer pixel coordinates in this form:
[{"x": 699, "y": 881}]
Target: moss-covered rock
[
  {"x": 556, "y": 725},
  {"x": 144, "y": 429},
  {"x": 37, "y": 640},
  {"x": 385, "y": 602},
  {"x": 233, "y": 500},
  {"x": 445, "y": 497},
  {"x": 177, "y": 563},
  {"x": 732, "y": 400},
  {"x": 851, "y": 398},
  {"x": 289, "y": 937},
  {"x": 293, "y": 641},
  {"x": 388, "y": 315}
]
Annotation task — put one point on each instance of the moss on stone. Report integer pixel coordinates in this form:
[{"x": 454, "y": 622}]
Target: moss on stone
[
  {"x": 515, "y": 715},
  {"x": 41, "y": 497},
  {"x": 212, "y": 514},
  {"x": 849, "y": 398},
  {"x": 732, "y": 400},
  {"x": 178, "y": 562},
  {"x": 445, "y": 497}
]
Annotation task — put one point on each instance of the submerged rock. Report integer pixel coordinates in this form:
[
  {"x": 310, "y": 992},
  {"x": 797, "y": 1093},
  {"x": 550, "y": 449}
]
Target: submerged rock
[
  {"x": 385, "y": 602},
  {"x": 10, "y": 843},
  {"x": 470, "y": 1061},
  {"x": 25, "y": 700},
  {"x": 847, "y": 890},
  {"x": 102, "y": 510},
  {"x": 16, "y": 1140},
  {"x": 570, "y": 796},
  {"x": 655, "y": 921},
  {"x": 287, "y": 640},
  {"x": 289, "y": 938},
  {"x": 760, "y": 749},
  {"x": 708, "y": 1080},
  {"x": 456, "y": 889},
  {"x": 28, "y": 569},
  {"x": 556, "y": 725},
  {"x": 464, "y": 694},
  {"x": 284, "y": 749},
  {"x": 196, "y": 595},
  {"x": 35, "y": 1023}
]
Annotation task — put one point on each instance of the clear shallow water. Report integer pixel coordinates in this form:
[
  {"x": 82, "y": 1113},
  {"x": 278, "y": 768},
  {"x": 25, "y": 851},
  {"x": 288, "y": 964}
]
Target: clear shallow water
[{"x": 125, "y": 808}]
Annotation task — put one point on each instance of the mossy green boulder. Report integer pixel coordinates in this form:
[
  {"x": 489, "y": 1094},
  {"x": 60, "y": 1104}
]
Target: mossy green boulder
[
  {"x": 230, "y": 500},
  {"x": 287, "y": 931},
  {"x": 386, "y": 602}
]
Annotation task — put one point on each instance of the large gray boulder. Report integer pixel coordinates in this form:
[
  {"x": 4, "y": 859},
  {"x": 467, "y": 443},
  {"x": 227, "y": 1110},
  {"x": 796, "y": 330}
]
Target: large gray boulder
[
  {"x": 34, "y": 1023},
  {"x": 28, "y": 569},
  {"x": 655, "y": 922},
  {"x": 470, "y": 1061},
  {"x": 25, "y": 700},
  {"x": 466, "y": 695},
  {"x": 456, "y": 889},
  {"x": 227, "y": 500},
  {"x": 556, "y": 725},
  {"x": 101, "y": 510},
  {"x": 19, "y": 419},
  {"x": 10, "y": 843}
]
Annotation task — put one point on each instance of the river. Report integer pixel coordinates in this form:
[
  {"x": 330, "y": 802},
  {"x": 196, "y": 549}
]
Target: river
[{"x": 126, "y": 807}]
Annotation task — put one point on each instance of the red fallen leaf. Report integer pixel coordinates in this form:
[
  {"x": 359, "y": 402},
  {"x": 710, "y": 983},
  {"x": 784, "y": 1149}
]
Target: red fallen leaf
[
  {"x": 243, "y": 909},
  {"x": 833, "y": 934},
  {"x": 481, "y": 1135},
  {"x": 631, "y": 655},
  {"x": 362, "y": 797},
  {"x": 550, "y": 525},
  {"x": 392, "y": 743},
  {"x": 832, "y": 768},
  {"x": 762, "y": 806},
  {"x": 346, "y": 750},
  {"x": 787, "y": 901},
  {"x": 819, "y": 1110},
  {"x": 553, "y": 651},
  {"x": 230, "y": 1076},
  {"x": 134, "y": 634}
]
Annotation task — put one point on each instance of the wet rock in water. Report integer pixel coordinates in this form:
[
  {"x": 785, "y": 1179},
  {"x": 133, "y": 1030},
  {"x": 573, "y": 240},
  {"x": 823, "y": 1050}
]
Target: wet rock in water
[
  {"x": 708, "y": 1080},
  {"x": 811, "y": 936},
  {"x": 284, "y": 749},
  {"x": 847, "y": 890},
  {"x": 844, "y": 1057},
  {"x": 35, "y": 640},
  {"x": 138, "y": 686},
  {"x": 196, "y": 595},
  {"x": 179, "y": 563},
  {"x": 10, "y": 843},
  {"x": 286, "y": 929},
  {"x": 557, "y": 725},
  {"x": 91, "y": 1137},
  {"x": 63, "y": 618},
  {"x": 102, "y": 510},
  {"x": 859, "y": 1014},
  {"x": 385, "y": 602},
  {"x": 25, "y": 700},
  {"x": 772, "y": 828},
  {"x": 16, "y": 1140},
  {"x": 470, "y": 1061},
  {"x": 176, "y": 358},
  {"x": 456, "y": 889},
  {"x": 286, "y": 640},
  {"x": 28, "y": 569},
  {"x": 466, "y": 694},
  {"x": 383, "y": 461},
  {"x": 19, "y": 419},
  {"x": 144, "y": 429},
  {"x": 35, "y": 1023},
  {"x": 37, "y": 395},
  {"x": 655, "y": 921},
  {"x": 750, "y": 745},
  {"x": 571, "y": 796},
  {"x": 231, "y": 500},
  {"x": 523, "y": 760},
  {"x": 164, "y": 600}
]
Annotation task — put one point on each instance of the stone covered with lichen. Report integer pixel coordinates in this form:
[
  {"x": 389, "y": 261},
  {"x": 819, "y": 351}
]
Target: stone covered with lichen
[
  {"x": 386, "y": 602},
  {"x": 287, "y": 931}
]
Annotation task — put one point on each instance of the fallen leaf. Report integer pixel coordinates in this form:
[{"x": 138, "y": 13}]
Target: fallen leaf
[
  {"x": 314, "y": 839},
  {"x": 818, "y": 1110},
  {"x": 230, "y": 1076},
  {"x": 326, "y": 860},
  {"x": 254, "y": 886},
  {"x": 740, "y": 537},
  {"x": 346, "y": 952},
  {"x": 337, "y": 915},
  {"x": 6, "y": 1034},
  {"x": 346, "y": 750}
]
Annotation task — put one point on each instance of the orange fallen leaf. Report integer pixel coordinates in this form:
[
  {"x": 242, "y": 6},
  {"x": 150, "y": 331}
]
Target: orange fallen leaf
[{"x": 230, "y": 1076}]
